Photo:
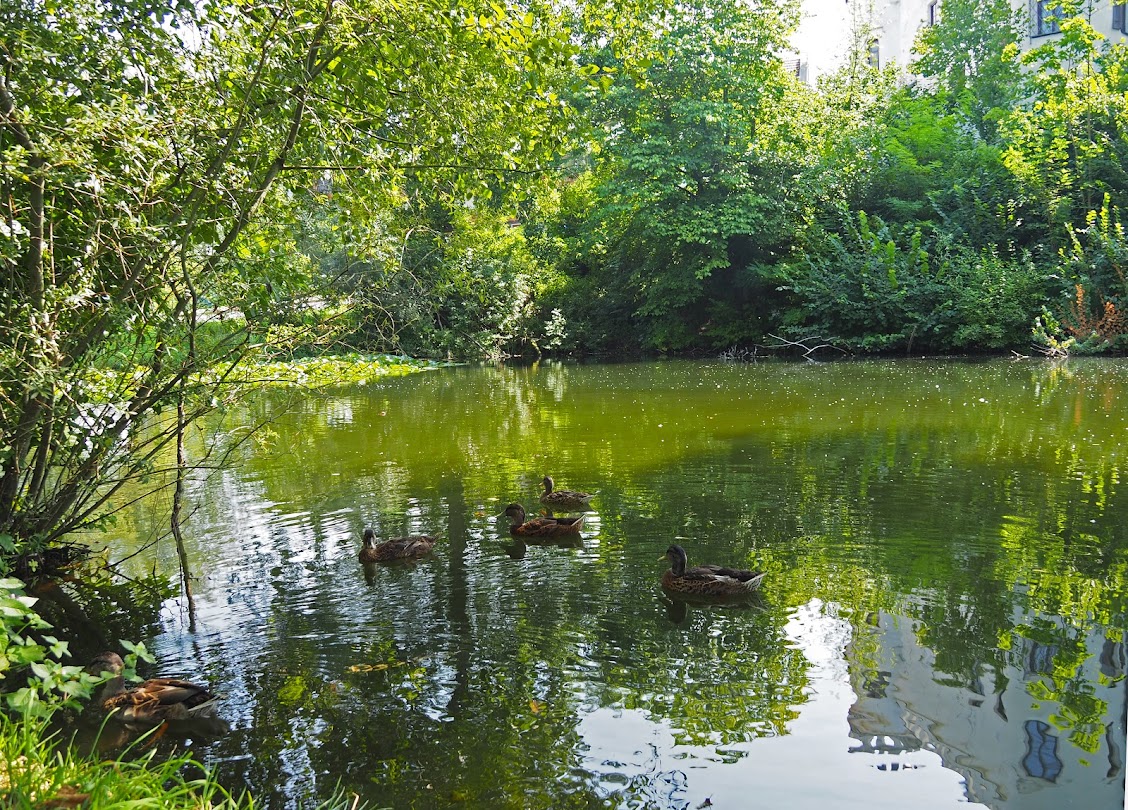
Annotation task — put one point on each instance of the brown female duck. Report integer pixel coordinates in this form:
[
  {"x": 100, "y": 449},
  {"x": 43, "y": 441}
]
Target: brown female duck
[
  {"x": 540, "y": 526},
  {"x": 564, "y": 498},
  {"x": 706, "y": 580},
  {"x": 151, "y": 702},
  {"x": 398, "y": 548}
]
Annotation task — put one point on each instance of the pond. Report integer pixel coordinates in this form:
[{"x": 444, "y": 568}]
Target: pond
[{"x": 942, "y": 619}]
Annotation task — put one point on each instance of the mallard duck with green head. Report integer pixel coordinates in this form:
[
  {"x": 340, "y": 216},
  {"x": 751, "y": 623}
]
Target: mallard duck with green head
[
  {"x": 540, "y": 526},
  {"x": 398, "y": 548},
  {"x": 706, "y": 580},
  {"x": 151, "y": 702},
  {"x": 564, "y": 498}
]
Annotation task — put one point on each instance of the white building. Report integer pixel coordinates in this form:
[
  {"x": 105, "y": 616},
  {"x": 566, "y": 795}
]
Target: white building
[{"x": 829, "y": 27}]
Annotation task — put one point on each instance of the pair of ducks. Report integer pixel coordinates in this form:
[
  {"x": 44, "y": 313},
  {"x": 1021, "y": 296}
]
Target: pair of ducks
[
  {"x": 702, "y": 580},
  {"x": 420, "y": 545}
]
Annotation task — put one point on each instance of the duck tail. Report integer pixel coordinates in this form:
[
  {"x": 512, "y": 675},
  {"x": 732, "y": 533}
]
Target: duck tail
[
  {"x": 206, "y": 707},
  {"x": 754, "y": 582}
]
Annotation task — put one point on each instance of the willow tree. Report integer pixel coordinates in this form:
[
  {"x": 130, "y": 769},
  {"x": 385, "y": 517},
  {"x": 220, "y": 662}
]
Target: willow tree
[{"x": 152, "y": 156}]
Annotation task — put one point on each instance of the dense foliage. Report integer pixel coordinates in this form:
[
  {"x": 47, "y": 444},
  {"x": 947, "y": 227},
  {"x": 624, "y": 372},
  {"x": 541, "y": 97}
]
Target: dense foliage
[
  {"x": 707, "y": 199},
  {"x": 156, "y": 159},
  {"x": 191, "y": 186},
  {"x": 718, "y": 202}
]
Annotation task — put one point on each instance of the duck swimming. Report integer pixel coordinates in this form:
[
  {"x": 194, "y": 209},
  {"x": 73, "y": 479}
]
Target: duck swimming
[
  {"x": 540, "y": 526},
  {"x": 706, "y": 580},
  {"x": 566, "y": 498},
  {"x": 398, "y": 548}
]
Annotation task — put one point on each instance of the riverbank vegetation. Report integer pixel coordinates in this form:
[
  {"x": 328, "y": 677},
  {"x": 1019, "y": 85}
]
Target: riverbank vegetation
[{"x": 223, "y": 184}]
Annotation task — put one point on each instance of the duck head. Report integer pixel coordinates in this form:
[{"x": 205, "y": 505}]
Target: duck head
[
  {"x": 516, "y": 513},
  {"x": 106, "y": 662},
  {"x": 677, "y": 557}
]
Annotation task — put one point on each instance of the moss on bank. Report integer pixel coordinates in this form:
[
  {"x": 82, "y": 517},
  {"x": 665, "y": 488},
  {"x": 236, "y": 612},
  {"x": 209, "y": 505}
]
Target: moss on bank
[{"x": 334, "y": 370}]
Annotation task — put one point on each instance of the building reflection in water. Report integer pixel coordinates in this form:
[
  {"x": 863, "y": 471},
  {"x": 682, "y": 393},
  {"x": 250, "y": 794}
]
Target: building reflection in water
[{"x": 993, "y": 732}]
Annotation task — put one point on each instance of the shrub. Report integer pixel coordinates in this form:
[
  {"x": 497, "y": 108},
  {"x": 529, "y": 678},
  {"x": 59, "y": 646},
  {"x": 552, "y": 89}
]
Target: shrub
[{"x": 875, "y": 289}]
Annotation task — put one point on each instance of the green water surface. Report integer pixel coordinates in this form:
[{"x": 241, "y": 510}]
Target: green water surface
[{"x": 942, "y": 619}]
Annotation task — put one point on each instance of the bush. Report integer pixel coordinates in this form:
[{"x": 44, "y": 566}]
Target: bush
[{"x": 876, "y": 290}]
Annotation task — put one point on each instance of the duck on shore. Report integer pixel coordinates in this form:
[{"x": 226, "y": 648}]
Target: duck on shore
[{"x": 151, "y": 702}]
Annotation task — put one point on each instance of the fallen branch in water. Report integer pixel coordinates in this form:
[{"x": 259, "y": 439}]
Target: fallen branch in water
[{"x": 804, "y": 344}]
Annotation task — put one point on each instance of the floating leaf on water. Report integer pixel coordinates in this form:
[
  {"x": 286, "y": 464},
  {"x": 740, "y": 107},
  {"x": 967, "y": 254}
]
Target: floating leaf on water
[
  {"x": 291, "y": 691},
  {"x": 376, "y": 667}
]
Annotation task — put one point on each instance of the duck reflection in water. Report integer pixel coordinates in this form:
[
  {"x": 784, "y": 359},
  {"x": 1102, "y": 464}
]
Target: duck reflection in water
[
  {"x": 678, "y": 607},
  {"x": 517, "y": 549},
  {"x": 111, "y": 738}
]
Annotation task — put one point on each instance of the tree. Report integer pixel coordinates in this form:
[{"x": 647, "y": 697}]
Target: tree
[
  {"x": 686, "y": 185},
  {"x": 972, "y": 57},
  {"x": 154, "y": 154},
  {"x": 1068, "y": 144}
]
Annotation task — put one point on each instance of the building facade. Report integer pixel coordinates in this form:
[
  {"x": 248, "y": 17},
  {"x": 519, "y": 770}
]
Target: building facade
[
  {"x": 828, "y": 29},
  {"x": 897, "y": 23}
]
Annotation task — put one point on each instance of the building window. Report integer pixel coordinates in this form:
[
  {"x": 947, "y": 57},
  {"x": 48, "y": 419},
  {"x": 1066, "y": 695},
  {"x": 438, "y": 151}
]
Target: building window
[
  {"x": 1119, "y": 23},
  {"x": 933, "y": 12},
  {"x": 1046, "y": 15},
  {"x": 874, "y": 58}
]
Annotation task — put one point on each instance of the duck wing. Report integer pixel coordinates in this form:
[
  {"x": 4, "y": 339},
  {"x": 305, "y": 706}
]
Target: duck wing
[
  {"x": 571, "y": 522},
  {"x": 414, "y": 546},
  {"x": 745, "y": 578},
  {"x": 547, "y": 527},
  {"x": 160, "y": 699},
  {"x": 419, "y": 546},
  {"x": 566, "y": 496}
]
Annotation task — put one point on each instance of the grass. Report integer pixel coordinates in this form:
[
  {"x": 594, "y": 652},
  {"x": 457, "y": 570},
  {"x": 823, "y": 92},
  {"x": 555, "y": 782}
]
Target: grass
[{"x": 38, "y": 770}]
